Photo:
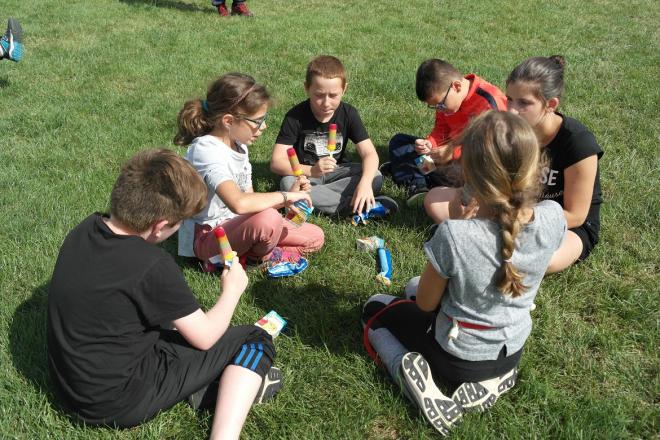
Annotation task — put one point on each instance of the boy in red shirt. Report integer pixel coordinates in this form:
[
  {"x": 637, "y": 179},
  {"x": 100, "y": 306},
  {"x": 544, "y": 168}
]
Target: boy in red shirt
[{"x": 456, "y": 99}]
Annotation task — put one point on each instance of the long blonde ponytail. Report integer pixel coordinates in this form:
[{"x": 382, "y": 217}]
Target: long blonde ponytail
[{"x": 501, "y": 163}]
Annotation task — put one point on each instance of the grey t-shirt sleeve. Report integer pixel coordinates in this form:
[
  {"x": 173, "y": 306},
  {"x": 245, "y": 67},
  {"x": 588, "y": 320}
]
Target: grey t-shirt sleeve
[
  {"x": 554, "y": 221},
  {"x": 440, "y": 251}
]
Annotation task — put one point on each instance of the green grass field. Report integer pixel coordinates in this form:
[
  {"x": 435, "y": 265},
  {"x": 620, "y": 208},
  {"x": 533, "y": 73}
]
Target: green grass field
[{"x": 104, "y": 79}]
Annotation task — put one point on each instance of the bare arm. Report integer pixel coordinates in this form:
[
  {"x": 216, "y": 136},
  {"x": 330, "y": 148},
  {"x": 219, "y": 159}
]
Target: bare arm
[
  {"x": 280, "y": 165},
  {"x": 279, "y": 162},
  {"x": 363, "y": 198},
  {"x": 202, "y": 330},
  {"x": 578, "y": 190},
  {"x": 430, "y": 289},
  {"x": 250, "y": 202}
]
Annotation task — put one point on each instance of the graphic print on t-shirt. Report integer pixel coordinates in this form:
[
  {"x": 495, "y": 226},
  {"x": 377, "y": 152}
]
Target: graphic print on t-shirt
[
  {"x": 549, "y": 180},
  {"x": 315, "y": 145},
  {"x": 242, "y": 179}
]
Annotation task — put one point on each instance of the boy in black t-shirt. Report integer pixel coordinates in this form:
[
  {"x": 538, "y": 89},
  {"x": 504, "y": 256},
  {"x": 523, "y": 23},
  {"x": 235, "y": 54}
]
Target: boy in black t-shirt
[
  {"x": 337, "y": 187},
  {"x": 114, "y": 294}
]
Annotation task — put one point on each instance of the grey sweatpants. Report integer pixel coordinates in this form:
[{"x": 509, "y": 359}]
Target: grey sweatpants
[{"x": 332, "y": 193}]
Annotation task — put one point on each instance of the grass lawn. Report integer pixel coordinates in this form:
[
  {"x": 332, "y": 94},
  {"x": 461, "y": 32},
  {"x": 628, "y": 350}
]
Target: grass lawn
[{"x": 104, "y": 79}]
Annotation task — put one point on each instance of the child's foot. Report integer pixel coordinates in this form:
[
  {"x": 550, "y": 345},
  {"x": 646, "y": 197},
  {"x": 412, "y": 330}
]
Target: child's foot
[
  {"x": 271, "y": 384},
  {"x": 386, "y": 169},
  {"x": 11, "y": 43},
  {"x": 482, "y": 395},
  {"x": 279, "y": 255},
  {"x": 416, "y": 196},
  {"x": 389, "y": 203},
  {"x": 223, "y": 11},
  {"x": 205, "y": 398},
  {"x": 283, "y": 263},
  {"x": 241, "y": 9},
  {"x": 441, "y": 411}
]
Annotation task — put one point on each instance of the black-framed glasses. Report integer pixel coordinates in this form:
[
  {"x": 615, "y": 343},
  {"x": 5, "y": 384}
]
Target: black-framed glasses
[
  {"x": 441, "y": 105},
  {"x": 259, "y": 123}
]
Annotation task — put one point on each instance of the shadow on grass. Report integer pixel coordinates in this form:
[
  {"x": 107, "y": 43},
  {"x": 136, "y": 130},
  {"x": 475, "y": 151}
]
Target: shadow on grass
[
  {"x": 315, "y": 314},
  {"x": 27, "y": 339},
  {"x": 4, "y": 82},
  {"x": 171, "y": 4}
]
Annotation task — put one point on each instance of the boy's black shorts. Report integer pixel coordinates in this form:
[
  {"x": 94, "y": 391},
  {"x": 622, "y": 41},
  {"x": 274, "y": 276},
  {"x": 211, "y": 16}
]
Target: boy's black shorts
[{"x": 183, "y": 370}]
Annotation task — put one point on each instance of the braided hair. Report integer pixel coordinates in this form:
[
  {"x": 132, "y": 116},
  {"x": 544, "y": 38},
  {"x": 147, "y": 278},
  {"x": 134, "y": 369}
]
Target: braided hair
[{"x": 501, "y": 163}]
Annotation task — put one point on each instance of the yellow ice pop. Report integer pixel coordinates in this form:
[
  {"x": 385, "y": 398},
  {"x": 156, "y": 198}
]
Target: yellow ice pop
[{"x": 332, "y": 138}]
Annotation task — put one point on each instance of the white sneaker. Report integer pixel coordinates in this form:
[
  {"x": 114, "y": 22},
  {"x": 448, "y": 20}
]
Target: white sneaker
[
  {"x": 482, "y": 395},
  {"x": 441, "y": 411}
]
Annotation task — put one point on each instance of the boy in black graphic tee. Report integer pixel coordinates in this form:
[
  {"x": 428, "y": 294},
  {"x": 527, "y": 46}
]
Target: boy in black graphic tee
[
  {"x": 114, "y": 295},
  {"x": 337, "y": 187}
]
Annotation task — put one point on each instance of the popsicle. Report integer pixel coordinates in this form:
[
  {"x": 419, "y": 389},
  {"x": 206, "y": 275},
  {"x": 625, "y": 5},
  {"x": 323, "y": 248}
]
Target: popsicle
[
  {"x": 293, "y": 159},
  {"x": 332, "y": 138},
  {"x": 225, "y": 248}
]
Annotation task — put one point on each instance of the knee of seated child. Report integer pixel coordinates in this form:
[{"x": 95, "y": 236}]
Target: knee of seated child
[
  {"x": 270, "y": 220},
  {"x": 286, "y": 182}
]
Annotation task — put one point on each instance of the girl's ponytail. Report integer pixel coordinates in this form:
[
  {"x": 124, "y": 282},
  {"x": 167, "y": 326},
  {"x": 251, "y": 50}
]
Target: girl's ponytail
[
  {"x": 191, "y": 122},
  {"x": 232, "y": 93}
]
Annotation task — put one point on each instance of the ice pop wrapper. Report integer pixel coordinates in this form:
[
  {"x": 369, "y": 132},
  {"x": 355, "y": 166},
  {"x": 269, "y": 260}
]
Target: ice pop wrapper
[
  {"x": 295, "y": 164},
  {"x": 225, "y": 248},
  {"x": 332, "y": 138},
  {"x": 273, "y": 323}
]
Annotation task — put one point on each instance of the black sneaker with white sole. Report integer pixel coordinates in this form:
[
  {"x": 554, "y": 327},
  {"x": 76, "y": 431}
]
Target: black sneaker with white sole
[
  {"x": 482, "y": 395},
  {"x": 389, "y": 203},
  {"x": 386, "y": 169},
  {"x": 271, "y": 384},
  {"x": 416, "y": 196},
  {"x": 205, "y": 398},
  {"x": 441, "y": 411}
]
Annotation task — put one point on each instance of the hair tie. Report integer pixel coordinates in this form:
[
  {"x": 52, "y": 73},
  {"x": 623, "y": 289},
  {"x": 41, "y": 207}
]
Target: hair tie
[
  {"x": 244, "y": 95},
  {"x": 205, "y": 106},
  {"x": 507, "y": 260}
]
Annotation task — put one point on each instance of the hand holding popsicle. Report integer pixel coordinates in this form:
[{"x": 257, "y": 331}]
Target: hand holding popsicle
[{"x": 225, "y": 248}]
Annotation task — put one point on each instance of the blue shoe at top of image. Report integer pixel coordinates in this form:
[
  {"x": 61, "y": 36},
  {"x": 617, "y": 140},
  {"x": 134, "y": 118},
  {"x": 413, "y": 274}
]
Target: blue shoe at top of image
[{"x": 12, "y": 41}]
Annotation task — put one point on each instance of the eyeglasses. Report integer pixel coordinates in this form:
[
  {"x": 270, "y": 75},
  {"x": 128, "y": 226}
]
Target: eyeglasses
[
  {"x": 441, "y": 105},
  {"x": 259, "y": 123}
]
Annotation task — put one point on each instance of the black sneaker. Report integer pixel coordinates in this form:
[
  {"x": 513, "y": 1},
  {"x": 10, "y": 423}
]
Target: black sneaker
[
  {"x": 388, "y": 203},
  {"x": 416, "y": 196},
  {"x": 205, "y": 398},
  {"x": 386, "y": 169},
  {"x": 271, "y": 384},
  {"x": 441, "y": 411},
  {"x": 482, "y": 395}
]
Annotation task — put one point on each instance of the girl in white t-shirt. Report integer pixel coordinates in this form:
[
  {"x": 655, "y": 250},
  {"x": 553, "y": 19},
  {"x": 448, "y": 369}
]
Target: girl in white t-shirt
[{"x": 218, "y": 131}]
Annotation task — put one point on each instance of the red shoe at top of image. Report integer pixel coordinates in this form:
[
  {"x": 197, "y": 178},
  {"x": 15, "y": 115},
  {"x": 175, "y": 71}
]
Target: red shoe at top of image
[
  {"x": 241, "y": 9},
  {"x": 223, "y": 11}
]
